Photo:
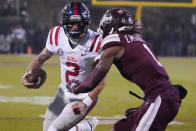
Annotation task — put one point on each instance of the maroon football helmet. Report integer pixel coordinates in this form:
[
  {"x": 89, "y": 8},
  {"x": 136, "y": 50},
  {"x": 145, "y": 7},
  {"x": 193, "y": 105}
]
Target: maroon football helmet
[{"x": 116, "y": 21}]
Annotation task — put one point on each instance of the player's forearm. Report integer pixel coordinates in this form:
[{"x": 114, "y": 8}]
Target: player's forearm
[
  {"x": 98, "y": 73},
  {"x": 94, "y": 93},
  {"x": 90, "y": 82},
  {"x": 34, "y": 64},
  {"x": 40, "y": 59},
  {"x": 95, "y": 77}
]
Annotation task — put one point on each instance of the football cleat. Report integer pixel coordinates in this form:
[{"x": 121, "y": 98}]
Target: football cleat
[{"x": 93, "y": 122}]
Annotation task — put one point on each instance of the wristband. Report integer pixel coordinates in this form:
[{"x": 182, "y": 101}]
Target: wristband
[{"x": 87, "y": 101}]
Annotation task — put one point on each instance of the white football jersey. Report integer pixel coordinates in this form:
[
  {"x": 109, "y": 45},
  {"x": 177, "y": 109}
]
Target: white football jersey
[{"x": 76, "y": 63}]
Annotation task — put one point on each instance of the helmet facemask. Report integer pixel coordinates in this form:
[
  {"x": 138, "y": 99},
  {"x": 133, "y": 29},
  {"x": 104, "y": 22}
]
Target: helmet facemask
[
  {"x": 75, "y": 29},
  {"x": 75, "y": 19}
]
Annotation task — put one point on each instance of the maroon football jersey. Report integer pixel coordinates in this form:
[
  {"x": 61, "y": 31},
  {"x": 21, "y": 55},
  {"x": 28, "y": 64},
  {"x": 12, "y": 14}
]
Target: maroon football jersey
[{"x": 138, "y": 64}]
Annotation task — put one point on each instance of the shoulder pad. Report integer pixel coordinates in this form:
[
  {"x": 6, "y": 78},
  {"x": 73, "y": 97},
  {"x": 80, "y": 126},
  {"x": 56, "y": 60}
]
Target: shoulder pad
[{"x": 111, "y": 38}]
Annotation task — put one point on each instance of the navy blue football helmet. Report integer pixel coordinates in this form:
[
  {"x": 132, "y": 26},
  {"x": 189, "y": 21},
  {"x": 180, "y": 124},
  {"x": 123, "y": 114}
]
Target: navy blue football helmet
[{"x": 75, "y": 13}]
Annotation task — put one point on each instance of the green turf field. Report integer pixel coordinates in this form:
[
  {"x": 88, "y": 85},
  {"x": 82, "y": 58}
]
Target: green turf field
[{"x": 20, "y": 108}]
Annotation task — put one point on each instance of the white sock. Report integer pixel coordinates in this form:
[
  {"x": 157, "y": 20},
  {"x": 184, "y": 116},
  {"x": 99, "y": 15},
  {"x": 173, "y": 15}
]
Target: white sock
[
  {"x": 84, "y": 126},
  {"x": 73, "y": 129},
  {"x": 52, "y": 128}
]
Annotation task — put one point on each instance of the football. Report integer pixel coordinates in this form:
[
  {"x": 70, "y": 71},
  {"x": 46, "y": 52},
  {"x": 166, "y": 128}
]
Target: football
[{"x": 37, "y": 76}]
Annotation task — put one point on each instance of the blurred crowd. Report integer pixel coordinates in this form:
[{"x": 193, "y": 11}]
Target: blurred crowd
[
  {"x": 173, "y": 40},
  {"x": 22, "y": 39},
  {"x": 14, "y": 8},
  {"x": 19, "y": 35}
]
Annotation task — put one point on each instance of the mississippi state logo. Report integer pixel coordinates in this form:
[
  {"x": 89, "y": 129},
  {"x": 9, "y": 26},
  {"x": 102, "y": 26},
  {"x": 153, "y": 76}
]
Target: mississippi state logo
[
  {"x": 120, "y": 12},
  {"x": 60, "y": 52}
]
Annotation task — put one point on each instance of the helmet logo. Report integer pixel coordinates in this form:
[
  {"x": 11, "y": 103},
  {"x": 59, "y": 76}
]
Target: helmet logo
[
  {"x": 120, "y": 12},
  {"x": 75, "y": 17},
  {"x": 123, "y": 20},
  {"x": 106, "y": 20},
  {"x": 130, "y": 20}
]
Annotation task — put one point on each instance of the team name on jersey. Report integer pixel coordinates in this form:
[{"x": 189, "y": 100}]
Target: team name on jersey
[{"x": 71, "y": 58}]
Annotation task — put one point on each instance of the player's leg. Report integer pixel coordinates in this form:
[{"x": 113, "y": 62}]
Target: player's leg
[
  {"x": 89, "y": 125},
  {"x": 169, "y": 106},
  {"x": 133, "y": 118},
  {"x": 126, "y": 123},
  {"x": 67, "y": 119},
  {"x": 147, "y": 114},
  {"x": 158, "y": 113},
  {"x": 122, "y": 125},
  {"x": 164, "y": 116},
  {"x": 55, "y": 108},
  {"x": 49, "y": 118}
]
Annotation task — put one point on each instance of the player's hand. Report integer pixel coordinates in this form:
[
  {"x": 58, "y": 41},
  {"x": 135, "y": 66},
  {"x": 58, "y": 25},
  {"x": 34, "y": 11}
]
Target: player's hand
[
  {"x": 25, "y": 82},
  {"x": 74, "y": 90},
  {"x": 78, "y": 107}
]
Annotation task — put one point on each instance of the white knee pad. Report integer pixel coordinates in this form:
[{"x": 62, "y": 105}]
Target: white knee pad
[
  {"x": 49, "y": 118},
  {"x": 67, "y": 119},
  {"x": 52, "y": 128}
]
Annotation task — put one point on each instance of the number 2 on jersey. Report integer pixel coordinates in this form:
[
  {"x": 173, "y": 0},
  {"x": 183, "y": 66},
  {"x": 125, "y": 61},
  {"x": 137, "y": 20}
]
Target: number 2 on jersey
[{"x": 75, "y": 71}]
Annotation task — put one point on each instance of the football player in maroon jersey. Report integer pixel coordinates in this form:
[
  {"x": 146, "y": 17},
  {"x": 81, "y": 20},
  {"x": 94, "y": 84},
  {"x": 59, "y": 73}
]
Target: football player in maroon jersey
[{"x": 136, "y": 62}]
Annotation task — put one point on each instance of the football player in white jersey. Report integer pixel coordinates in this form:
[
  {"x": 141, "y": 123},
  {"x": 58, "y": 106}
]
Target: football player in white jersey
[{"x": 78, "y": 49}]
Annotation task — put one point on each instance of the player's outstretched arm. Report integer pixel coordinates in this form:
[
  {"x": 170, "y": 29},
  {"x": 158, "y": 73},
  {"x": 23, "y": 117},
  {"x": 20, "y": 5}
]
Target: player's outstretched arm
[
  {"x": 79, "y": 107},
  {"x": 95, "y": 92},
  {"x": 36, "y": 63},
  {"x": 95, "y": 78},
  {"x": 100, "y": 70}
]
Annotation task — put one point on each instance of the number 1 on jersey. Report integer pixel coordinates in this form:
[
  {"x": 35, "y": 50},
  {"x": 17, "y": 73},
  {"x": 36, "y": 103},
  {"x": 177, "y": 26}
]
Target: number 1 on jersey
[{"x": 146, "y": 47}]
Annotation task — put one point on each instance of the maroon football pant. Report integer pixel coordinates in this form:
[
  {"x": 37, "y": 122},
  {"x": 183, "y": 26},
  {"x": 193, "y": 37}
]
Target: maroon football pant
[{"x": 153, "y": 115}]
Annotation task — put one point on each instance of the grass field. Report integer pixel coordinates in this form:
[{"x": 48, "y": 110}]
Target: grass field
[{"x": 20, "y": 108}]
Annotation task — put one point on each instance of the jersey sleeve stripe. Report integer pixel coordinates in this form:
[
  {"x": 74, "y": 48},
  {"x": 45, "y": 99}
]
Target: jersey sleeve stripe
[
  {"x": 112, "y": 44},
  {"x": 98, "y": 46},
  {"x": 51, "y": 32},
  {"x": 93, "y": 43},
  {"x": 56, "y": 35},
  {"x": 111, "y": 38},
  {"x": 75, "y": 8}
]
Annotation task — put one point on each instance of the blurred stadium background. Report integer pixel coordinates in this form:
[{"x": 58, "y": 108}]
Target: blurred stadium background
[
  {"x": 170, "y": 28},
  {"x": 170, "y": 25}
]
